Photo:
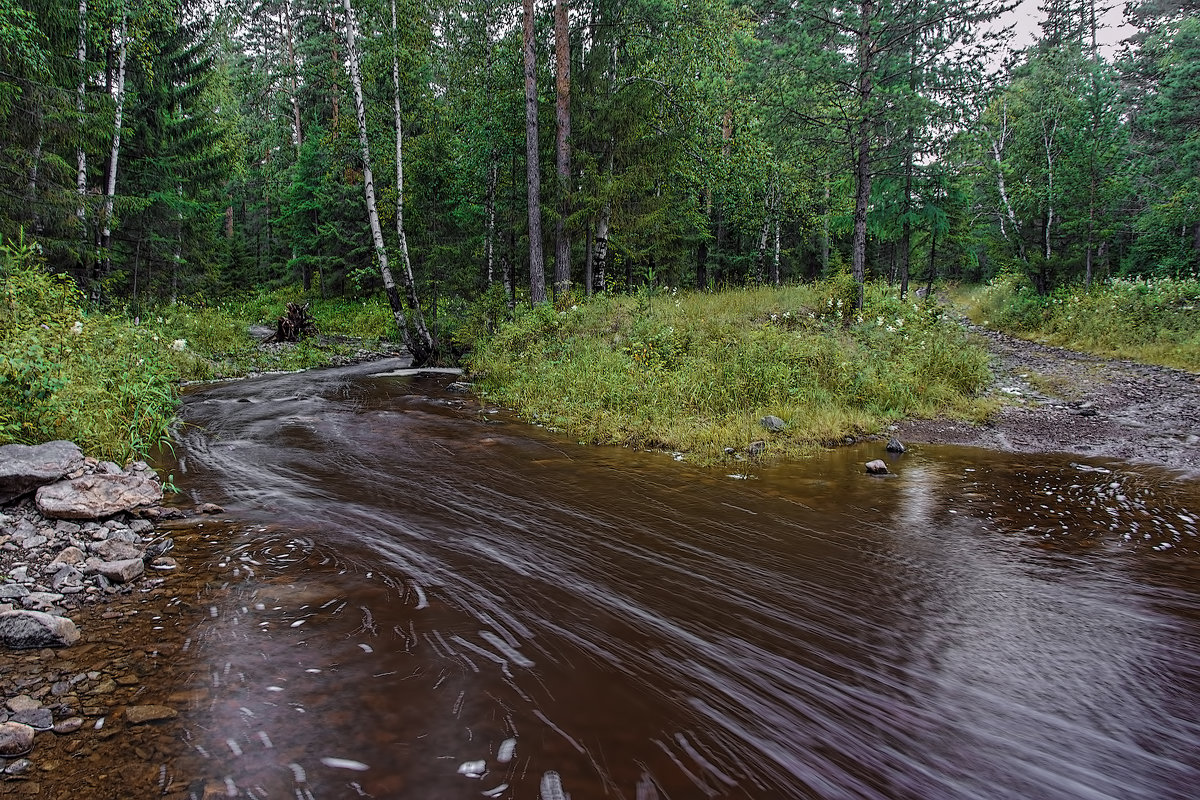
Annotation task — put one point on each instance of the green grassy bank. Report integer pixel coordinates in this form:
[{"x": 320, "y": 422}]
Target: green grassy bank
[
  {"x": 1153, "y": 321},
  {"x": 111, "y": 383},
  {"x": 694, "y": 372}
]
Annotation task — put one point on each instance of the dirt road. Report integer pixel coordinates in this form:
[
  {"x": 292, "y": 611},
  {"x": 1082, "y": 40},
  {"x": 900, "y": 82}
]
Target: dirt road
[{"x": 1059, "y": 400}]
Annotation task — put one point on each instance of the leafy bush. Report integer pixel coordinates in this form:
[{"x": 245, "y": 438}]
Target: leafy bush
[{"x": 97, "y": 380}]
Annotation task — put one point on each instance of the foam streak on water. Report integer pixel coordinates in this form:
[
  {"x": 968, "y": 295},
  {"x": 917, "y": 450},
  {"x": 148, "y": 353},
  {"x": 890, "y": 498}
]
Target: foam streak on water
[{"x": 978, "y": 626}]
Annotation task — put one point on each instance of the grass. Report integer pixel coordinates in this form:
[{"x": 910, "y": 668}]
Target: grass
[
  {"x": 695, "y": 372},
  {"x": 1151, "y": 321},
  {"x": 111, "y": 383}
]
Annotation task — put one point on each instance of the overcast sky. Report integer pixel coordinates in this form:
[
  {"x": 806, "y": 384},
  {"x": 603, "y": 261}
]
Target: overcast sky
[{"x": 1028, "y": 18}]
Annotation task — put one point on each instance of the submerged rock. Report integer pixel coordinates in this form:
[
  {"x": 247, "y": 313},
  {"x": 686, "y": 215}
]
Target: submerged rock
[
  {"x": 16, "y": 739},
  {"x": 136, "y": 715}
]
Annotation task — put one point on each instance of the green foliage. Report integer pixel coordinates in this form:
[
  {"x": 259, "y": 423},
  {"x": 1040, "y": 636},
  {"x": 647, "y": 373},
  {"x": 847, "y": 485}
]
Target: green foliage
[
  {"x": 1153, "y": 320},
  {"x": 694, "y": 372},
  {"x": 64, "y": 374}
]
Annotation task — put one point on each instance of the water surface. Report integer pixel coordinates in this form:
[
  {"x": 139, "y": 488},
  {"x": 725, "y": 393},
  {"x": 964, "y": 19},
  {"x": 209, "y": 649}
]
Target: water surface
[{"x": 421, "y": 598}]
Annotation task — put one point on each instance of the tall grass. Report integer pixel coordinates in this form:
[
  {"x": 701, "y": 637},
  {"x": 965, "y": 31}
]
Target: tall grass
[
  {"x": 64, "y": 374},
  {"x": 1156, "y": 321},
  {"x": 695, "y": 372}
]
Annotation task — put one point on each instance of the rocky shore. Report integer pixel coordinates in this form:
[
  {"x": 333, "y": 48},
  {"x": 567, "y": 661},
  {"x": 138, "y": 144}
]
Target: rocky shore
[{"x": 75, "y": 533}]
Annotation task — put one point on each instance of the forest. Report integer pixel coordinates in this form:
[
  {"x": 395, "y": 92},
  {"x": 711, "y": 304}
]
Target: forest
[{"x": 164, "y": 150}]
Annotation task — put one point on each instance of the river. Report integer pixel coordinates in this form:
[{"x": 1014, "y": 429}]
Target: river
[{"x": 414, "y": 597}]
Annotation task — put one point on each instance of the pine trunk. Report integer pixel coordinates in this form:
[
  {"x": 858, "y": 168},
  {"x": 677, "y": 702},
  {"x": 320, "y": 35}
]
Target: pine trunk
[
  {"x": 537, "y": 270},
  {"x": 81, "y": 94},
  {"x": 862, "y": 166},
  {"x": 562, "y": 147},
  {"x": 424, "y": 338}
]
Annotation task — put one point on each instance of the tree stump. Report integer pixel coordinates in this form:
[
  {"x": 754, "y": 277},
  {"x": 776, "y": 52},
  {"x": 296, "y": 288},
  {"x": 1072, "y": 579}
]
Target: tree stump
[{"x": 294, "y": 325}]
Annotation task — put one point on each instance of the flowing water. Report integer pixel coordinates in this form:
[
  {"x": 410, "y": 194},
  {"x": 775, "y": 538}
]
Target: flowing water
[{"x": 418, "y": 598}]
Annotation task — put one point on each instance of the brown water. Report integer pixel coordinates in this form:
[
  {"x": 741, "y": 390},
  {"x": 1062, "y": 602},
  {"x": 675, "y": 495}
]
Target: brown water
[{"x": 422, "y": 600}]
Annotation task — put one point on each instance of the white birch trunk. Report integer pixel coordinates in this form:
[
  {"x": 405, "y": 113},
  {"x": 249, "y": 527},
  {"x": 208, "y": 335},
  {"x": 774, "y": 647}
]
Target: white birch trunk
[
  {"x": 385, "y": 272},
  {"x": 110, "y": 190}
]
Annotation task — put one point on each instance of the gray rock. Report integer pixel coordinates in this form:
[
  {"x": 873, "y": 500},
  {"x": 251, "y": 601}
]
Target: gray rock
[
  {"x": 70, "y": 555},
  {"x": 122, "y": 571},
  {"x": 141, "y": 526},
  {"x": 67, "y": 575},
  {"x": 97, "y": 496},
  {"x": 124, "y": 535},
  {"x": 21, "y": 630},
  {"x": 67, "y": 528},
  {"x": 40, "y": 719},
  {"x": 41, "y": 601},
  {"x": 115, "y": 550},
  {"x": 136, "y": 715},
  {"x": 21, "y": 702},
  {"x": 772, "y": 423},
  {"x": 69, "y": 725},
  {"x": 33, "y": 542},
  {"x": 18, "y": 767},
  {"x": 164, "y": 563},
  {"x": 24, "y": 468},
  {"x": 108, "y": 468},
  {"x": 15, "y": 739},
  {"x": 894, "y": 445},
  {"x": 13, "y": 591},
  {"x": 756, "y": 448},
  {"x": 877, "y": 467}
]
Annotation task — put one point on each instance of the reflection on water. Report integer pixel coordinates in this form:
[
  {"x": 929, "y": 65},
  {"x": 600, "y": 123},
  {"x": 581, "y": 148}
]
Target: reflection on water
[{"x": 422, "y": 600}]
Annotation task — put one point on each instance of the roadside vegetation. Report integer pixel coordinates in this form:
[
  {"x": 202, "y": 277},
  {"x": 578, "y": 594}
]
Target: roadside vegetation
[
  {"x": 110, "y": 382},
  {"x": 694, "y": 372},
  {"x": 1153, "y": 320}
]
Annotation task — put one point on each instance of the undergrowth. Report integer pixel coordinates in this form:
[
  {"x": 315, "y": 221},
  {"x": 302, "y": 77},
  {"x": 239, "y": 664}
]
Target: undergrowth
[
  {"x": 695, "y": 372},
  {"x": 95, "y": 379},
  {"x": 1155, "y": 321}
]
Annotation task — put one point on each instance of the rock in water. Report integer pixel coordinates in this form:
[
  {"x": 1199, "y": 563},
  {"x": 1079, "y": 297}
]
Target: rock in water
[
  {"x": 136, "y": 715},
  {"x": 16, "y": 739},
  {"x": 772, "y": 423},
  {"x": 23, "y": 630},
  {"x": 894, "y": 445},
  {"x": 97, "y": 496},
  {"x": 24, "y": 468},
  {"x": 877, "y": 467}
]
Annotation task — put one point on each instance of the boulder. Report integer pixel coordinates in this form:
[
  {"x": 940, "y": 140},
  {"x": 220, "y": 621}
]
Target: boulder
[
  {"x": 23, "y": 630},
  {"x": 756, "y": 448},
  {"x": 894, "y": 445},
  {"x": 772, "y": 423},
  {"x": 70, "y": 555},
  {"x": 122, "y": 571},
  {"x": 16, "y": 739},
  {"x": 877, "y": 467},
  {"x": 24, "y": 468},
  {"x": 97, "y": 496},
  {"x": 13, "y": 591}
]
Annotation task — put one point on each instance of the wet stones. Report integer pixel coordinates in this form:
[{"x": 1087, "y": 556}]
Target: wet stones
[
  {"x": 23, "y": 630},
  {"x": 877, "y": 467}
]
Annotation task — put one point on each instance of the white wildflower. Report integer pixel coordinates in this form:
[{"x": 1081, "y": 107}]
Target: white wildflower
[
  {"x": 179, "y": 345},
  {"x": 77, "y": 328}
]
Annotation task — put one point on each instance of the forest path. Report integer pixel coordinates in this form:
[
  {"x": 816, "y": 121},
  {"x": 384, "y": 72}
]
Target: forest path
[{"x": 1060, "y": 400}]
